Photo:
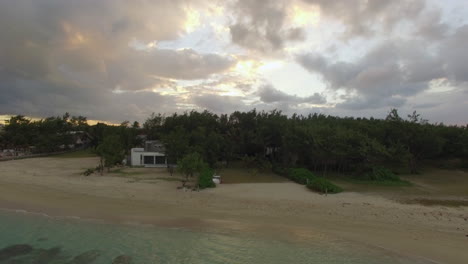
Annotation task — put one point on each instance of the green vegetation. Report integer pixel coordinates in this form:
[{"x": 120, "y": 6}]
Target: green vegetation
[
  {"x": 324, "y": 186},
  {"x": 61, "y": 133},
  {"x": 88, "y": 172},
  {"x": 206, "y": 178},
  {"x": 378, "y": 173},
  {"x": 237, "y": 173},
  {"x": 111, "y": 152},
  {"x": 301, "y": 176},
  {"x": 190, "y": 165},
  {"x": 193, "y": 165},
  {"x": 318, "y": 184},
  {"x": 266, "y": 140}
]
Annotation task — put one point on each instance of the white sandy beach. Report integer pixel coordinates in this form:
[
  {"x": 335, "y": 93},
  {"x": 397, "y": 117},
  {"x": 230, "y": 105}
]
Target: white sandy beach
[{"x": 281, "y": 210}]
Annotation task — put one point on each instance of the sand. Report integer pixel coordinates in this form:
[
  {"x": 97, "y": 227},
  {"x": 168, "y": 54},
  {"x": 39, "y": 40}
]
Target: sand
[{"x": 284, "y": 210}]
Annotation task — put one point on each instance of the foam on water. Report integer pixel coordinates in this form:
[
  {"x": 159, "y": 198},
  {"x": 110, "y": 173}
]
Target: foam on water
[{"x": 99, "y": 242}]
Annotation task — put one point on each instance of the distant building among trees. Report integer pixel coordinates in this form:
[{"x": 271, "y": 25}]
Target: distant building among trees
[{"x": 152, "y": 155}]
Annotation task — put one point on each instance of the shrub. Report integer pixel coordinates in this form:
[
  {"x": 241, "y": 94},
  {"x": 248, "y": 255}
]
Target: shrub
[
  {"x": 301, "y": 176},
  {"x": 322, "y": 185},
  {"x": 88, "y": 172},
  {"x": 306, "y": 177},
  {"x": 282, "y": 171},
  {"x": 264, "y": 164},
  {"x": 206, "y": 179},
  {"x": 190, "y": 164},
  {"x": 379, "y": 174}
]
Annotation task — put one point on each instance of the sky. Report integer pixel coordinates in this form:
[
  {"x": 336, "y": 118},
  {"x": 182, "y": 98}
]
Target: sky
[{"x": 117, "y": 60}]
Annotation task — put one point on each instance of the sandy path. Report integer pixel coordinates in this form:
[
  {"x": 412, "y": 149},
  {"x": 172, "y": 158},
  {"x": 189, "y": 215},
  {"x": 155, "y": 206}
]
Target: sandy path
[{"x": 54, "y": 186}]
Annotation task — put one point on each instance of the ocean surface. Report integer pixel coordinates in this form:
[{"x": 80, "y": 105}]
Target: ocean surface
[{"x": 33, "y": 238}]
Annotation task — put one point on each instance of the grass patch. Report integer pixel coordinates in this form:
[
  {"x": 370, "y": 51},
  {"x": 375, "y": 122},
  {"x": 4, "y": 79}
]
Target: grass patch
[
  {"x": 378, "y": 173},
  {"x": 322, "y": 185},
  {"x": 84, "y": 153},
  {"x": 306, "y": 177},
  {"x": 234, "y": 175},
  {"x": 301, "y": 175}
]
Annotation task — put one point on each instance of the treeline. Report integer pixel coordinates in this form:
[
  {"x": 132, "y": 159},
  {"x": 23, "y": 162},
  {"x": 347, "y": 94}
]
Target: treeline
[
  {"x": 266, "y": 139},
  {"x": 61, "y": 133},
  {"x": 316, "y": 141}
]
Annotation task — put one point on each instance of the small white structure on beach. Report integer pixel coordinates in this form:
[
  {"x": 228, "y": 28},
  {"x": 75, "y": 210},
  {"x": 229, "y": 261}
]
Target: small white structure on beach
[
  {"x": 152, "y": 155},
  {"x": 217, "y": 179}
]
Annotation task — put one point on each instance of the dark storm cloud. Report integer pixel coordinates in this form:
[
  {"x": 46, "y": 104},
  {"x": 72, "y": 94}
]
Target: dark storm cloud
[
  {"x": 384, "y": 77},
  {"x": 430, "y": 26},
  {"x": 268, "y": 94},
  {"x": 397, "y": 68},
  {"x": 262, "y": 25},
  {"x": 186, "y": 64},
  {"x": 393, "y": 70},
  {"x": 453, "y": 52},
  {"x": 219, "y": 104},
  {"x": 360, "y": 17},
  {"x": 68, "y": 55},
  {"x": 39, "y": 98}
]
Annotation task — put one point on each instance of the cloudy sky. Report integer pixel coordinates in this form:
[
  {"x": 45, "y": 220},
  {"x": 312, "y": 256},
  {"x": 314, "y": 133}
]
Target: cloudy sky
[{"x": 121, "y": 60}]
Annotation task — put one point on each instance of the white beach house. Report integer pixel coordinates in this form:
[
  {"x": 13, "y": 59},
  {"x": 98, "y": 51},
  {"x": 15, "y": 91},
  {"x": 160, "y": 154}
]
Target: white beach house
[{"x": 152, "y": 155}]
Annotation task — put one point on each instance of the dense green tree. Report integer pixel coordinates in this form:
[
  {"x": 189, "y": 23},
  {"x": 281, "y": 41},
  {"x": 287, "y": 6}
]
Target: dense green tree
[
  {"x": 176, "y": 143},
  {"x": 190, "y": 165},
  {"x": 317, "y": 142},
  {"x": 111, "y": 151}
]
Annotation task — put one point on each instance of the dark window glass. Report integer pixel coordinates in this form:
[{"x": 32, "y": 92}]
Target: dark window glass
[
  {"x": 160, "y": 160},
  {"x": 149, "y": 160}
]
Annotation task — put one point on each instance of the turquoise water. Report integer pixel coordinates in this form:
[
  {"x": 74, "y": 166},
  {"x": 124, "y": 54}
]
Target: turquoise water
[{"x": 66, "y": 240}]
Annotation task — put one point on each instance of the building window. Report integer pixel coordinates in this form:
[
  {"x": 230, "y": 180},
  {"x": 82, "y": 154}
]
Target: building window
[
  {"x": 160, "y": 160},
  {"x": 149, "y": 160}
]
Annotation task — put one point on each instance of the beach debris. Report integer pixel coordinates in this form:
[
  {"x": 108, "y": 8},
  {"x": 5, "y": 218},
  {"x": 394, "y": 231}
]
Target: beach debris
[
  {"x": 15, "y": 250},
  {"x": 47, "y": 255},
  {"x": 86, "y": 257},
  {"x": 122, "y": 259}
]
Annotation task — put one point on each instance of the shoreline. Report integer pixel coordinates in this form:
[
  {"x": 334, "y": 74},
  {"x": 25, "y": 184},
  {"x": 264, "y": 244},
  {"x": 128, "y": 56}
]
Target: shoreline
[
  {"x": 379, "y": 248},
  {"x": 273, "y": 210},
  {"x": 394, "y": 239},
  {"x": 373, "y": 249}
]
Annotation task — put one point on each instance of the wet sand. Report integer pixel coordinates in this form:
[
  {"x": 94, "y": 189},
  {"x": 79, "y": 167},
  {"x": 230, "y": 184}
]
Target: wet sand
[{"x": 279, "y": 210}]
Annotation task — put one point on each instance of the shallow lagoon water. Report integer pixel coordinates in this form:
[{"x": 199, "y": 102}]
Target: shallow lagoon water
[{"x": 68, "y": 240}]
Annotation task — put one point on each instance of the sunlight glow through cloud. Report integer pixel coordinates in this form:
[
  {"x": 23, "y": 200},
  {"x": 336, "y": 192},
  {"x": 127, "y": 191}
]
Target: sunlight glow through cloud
[
  {"x": 303, "y": 15},
  {"x": 193, "y": 20}
]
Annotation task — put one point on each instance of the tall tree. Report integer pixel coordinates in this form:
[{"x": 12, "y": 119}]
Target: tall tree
[
  {"x": 190, "y": 165},
  {"x": 111, "y": 151}
]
